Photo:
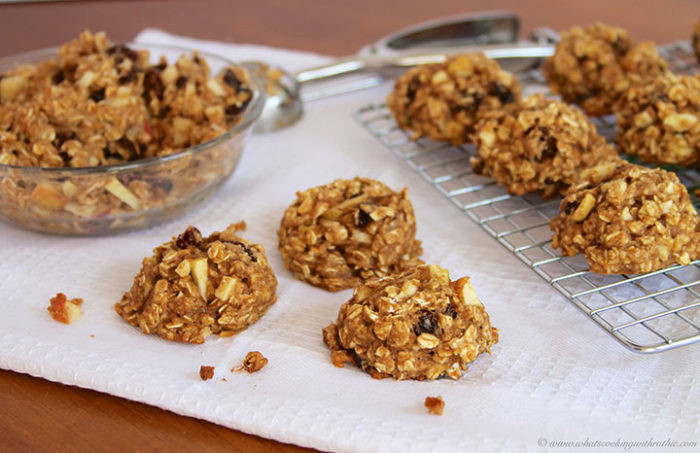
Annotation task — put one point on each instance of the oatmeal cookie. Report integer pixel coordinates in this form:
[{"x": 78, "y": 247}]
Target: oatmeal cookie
[
  {"x": 659, "y": 120},
  {"x": 338, "y": 235},
  {"x": 444, "y": 101},
  {"x": 194, "y": 286},
  {"x": 539, "y": 145},
  {"x": 591, "y": 66},
  {"x": 415, "y": 325},
  {"x": 634, "y": 220}
]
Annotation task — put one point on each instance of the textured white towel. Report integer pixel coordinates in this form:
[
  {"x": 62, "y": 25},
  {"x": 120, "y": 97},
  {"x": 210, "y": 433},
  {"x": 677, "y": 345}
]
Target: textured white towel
[{"x": 554, "y": 375}]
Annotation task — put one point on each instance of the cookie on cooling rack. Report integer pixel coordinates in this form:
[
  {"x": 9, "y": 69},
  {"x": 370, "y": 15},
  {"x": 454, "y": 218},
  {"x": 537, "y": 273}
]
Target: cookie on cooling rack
[
  {"x": 337, "y": 235},
  {"x": 591, "y": 66},
  {"x": 539, "y": 145},
  {"x": 195, "y": 286},
  {"x": 633, "y": 220},
  {"x": 416, "y": 325},
  {"x": 444, "y": 101},
  {"x": 659, "y": 120}
]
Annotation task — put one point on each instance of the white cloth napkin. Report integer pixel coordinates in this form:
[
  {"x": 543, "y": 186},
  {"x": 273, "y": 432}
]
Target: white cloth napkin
[{"x": 554, "y": 376}]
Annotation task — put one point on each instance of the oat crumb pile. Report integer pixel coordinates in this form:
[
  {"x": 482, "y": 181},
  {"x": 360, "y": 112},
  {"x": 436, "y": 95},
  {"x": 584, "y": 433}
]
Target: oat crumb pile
[
  {"x": 434, "y": 404},
  {"x": 206, "y": 372},
  {"x": 65, "y": 310},
  {"x": 593, "y": 66}
]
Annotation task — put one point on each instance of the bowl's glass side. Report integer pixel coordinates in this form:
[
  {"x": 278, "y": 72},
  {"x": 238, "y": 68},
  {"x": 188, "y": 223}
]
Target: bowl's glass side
[
  {"x": 102, "y": 203},
  {"x": 122, "y": 197}
]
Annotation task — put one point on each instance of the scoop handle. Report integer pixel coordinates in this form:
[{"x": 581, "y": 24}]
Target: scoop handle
[{"x": 369, "y": 70}]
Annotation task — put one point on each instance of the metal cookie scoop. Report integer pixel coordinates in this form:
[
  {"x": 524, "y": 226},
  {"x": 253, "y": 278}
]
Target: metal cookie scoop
[{"x": 495, "y": 34}]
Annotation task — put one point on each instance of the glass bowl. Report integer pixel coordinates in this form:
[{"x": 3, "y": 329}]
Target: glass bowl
[{"x": 127, "y": 196}]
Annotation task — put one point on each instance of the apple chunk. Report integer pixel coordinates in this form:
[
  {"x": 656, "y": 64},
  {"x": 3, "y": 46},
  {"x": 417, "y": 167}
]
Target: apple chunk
[
  {"x": 120, "y": 191},
  {"x": 466, "y": 292},
  {"x": 200, "y": 274}
]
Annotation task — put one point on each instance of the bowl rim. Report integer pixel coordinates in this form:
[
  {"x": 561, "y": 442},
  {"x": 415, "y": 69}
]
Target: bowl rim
[{"x": 252, "y": 113}]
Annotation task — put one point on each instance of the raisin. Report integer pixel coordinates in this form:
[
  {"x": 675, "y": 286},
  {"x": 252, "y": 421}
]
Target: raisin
[
  {"x": 469, "y": 102},
  {"x": 63, "y": 137},
  {"x": 245, "y": 249},
  {"x": 128, "y": 77},
  {"x": 58, "y": 77},
  {"x": 121, "y": 52},
  {"x": 504, "y": 95},
  {"x": 234, "y": 109},
  {"x": 108, "y": 154},
  {"x": 570, "y": 207},
  {"x": 152, "y": 85},
  {"x": 412, "y": 88},
  {"x": 362, "y": 219},
  {"x": 549, "y": 144},
  {"x": 231, "y": 80},
  {"x": 451, "y": 311},
  {"x": 560, "y": 187},
  {"x": 191, "y": 236},
  {"x": 585, "y": 96},
  {"x": 427, "y": 323},
  {"x": 181, "y": 81},
  {"x": 65, "y": 157},
  {"x": 164, "y": 110},
  {"x": 98, "y": 95},
  {"x": 129, "y": 147},
  {"x": 478, "y": 166}
]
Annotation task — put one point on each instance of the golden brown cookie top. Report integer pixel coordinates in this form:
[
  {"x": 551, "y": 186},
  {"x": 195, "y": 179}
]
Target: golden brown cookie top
[
  {"x": 539, "y": 145},
  {"x": 444, "y": 101},
  {"x": 634, "y": 220},
  {"x": 592, "y": 66},
  {"x": 659, "y": 120}
]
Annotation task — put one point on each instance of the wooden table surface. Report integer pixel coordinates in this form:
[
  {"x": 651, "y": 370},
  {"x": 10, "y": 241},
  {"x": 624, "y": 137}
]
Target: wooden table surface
[{"x": 38, "y": 415}]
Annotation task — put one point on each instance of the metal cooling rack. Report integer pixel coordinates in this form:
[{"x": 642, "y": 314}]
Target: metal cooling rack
[{"x": 647, "y": 313}]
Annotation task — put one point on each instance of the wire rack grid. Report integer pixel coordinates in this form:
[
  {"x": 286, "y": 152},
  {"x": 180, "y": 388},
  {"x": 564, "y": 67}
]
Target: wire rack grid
[{"x": 647, "y": 313}]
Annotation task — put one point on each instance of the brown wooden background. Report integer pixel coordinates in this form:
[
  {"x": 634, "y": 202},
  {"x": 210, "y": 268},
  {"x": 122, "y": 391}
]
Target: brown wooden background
[{"x": 37, "y": 415}]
